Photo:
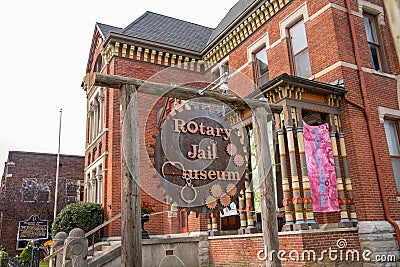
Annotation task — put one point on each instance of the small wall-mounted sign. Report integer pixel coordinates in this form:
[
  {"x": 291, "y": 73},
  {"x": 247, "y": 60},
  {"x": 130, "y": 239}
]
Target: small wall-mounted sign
[{"x": 33, "y": 229}]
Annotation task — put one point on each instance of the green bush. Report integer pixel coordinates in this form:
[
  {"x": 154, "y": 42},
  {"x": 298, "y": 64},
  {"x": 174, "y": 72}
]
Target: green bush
[
  {"x": 3, "y": 256},
  {"x": 26, "y": 255},
  {"x": 85, "y": 216}
]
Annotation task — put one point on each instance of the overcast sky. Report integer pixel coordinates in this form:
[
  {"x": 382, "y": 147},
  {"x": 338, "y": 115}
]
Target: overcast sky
[{"x": 44, "y": 50}]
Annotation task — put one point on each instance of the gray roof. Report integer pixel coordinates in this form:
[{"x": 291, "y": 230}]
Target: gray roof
[
  {"x": 106, "y": 29},
  {"x": 232, "y": 14},
  {"x": 175, "y": 32},
  {"x": 162, "y": 29}
]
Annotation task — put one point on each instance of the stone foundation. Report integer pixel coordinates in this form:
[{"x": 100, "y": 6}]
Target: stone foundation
[{"x": 378, "y": 237}]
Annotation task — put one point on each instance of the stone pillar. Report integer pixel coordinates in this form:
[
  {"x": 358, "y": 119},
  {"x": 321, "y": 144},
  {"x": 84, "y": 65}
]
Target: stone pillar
[
  {"x": 58, "y": 242},
  {"x": 287, "y": 199},
  {"x": 99, "y": 178},
  {"x": 344, "y": 218},
  {"x": 93, "y": 189},
  {"x": 304, "y": 173},
  {"x": 297, "y": 200},
  {"x": 88, "y": 190},
  {"x": 75, "y": 249}
]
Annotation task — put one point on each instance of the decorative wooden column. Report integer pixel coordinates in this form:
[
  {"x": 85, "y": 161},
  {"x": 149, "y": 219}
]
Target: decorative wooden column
[
  {"x": 349, "y": 187},
  {"x": 214, "y": 225},
  {"x": 209, "y": 223},
  {"x": 249, "y": 206},
  {"x": 297, "y": 200},
  {"x": 287, "y": 198},
  {"x": 344, "y": 217},
  {"x": 242, "y": 213},
  {"x": 304, "y": 173},
  {"x": 131, "y": 254}
]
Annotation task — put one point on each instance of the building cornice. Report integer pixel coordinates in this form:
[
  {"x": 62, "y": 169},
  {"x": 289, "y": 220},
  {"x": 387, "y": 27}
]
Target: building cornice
[{"x": 240, "y": 29}]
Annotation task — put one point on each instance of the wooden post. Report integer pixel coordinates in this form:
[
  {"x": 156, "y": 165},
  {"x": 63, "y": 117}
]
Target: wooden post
[
  {"x": 268, "y": 209},
  {"x": 131, "y": 254}
]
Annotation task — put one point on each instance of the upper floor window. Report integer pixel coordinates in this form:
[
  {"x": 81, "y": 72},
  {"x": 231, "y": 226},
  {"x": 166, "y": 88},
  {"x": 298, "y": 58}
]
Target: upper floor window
[
  {"x": 374, "y": 46},
  {"x": 74, "y": 190},
  {"x": 96, "y": 115},
  {"x": 220, "y": 70},
  {"x": 392, "y": 137},
  {"x": 36, "y": 189},
  {"x": 299, "y": 49},
  {"x": 99, "y": 64},
  {"x": 261, "y": 67}
]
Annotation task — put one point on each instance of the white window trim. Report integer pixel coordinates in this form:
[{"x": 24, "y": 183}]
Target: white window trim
[
  {"x": 218, "y": 66},
  {"x": 372, "y": 9},
  {"x": 300, "y": 13},
  {"x": 261, "y": 42},
  {"x": 94, "y": 168},
  {"x": 388, "y": 113}
]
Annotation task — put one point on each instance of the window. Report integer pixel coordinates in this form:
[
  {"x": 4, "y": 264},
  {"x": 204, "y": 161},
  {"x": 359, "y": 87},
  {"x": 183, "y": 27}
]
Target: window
[
  {"x": 74, "y": 191},
  {"x": 220, "y": 70},
  {"x": 225, "y": 68},
  {"x": 392, "y": 137},
  {"x": 96, "y": 115},
  {"x": 36, "y": 189},
  {"x": 299, "y": 49},
  {"x": 28, "y": 189},
  {"x": 99, "y": 64},
  {"x": 370, "y": 24},
  {"x": 261, "y": 67}
]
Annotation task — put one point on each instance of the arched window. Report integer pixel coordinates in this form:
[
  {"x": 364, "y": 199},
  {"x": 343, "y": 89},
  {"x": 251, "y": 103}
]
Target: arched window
[{"x": 99, "y": 64}]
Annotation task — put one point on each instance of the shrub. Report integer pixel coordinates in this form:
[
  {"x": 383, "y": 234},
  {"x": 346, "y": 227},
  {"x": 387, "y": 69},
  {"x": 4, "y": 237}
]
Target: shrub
[
  {"x": 26, "y": 255},
  {"x": 3, "y": 258},
  {"x": 85, "y": 216}
]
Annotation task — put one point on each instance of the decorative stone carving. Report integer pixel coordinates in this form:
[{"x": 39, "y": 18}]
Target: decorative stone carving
[
  {"x": 75, "y": 249},
  {"x": 58, "y": 242}
]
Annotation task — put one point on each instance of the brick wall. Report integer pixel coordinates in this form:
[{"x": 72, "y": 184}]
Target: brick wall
[
  {"x": 21, "y": 165},
  {"x": 245, "y": 250}
]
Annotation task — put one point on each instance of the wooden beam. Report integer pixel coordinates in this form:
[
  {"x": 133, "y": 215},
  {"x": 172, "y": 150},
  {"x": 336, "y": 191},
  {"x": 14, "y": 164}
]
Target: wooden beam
[
  {"x": 264, "y": 171},
  {"x": 184, "y": 93},
  {"x": 131, "y": 244}
]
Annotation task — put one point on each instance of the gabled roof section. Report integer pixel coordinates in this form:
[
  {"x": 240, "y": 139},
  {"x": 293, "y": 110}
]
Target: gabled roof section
[
  {"x": 106, "y": 29},
  {"x": 237, "y": 10},
  {"x": 170, "y": 31}
]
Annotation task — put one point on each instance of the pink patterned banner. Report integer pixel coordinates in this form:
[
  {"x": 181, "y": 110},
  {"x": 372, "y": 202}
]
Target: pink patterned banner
[{"x": 321, "y": 168}]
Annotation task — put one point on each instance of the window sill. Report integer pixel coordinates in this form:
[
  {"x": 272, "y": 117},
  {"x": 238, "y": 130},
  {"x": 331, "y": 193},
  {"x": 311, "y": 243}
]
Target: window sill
[
  {"x": 96, "y": 138},
  {"x": 398, "y": 199}
]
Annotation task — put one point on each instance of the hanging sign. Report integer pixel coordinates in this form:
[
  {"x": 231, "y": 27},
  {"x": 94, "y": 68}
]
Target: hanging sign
[
  {"x": 201, "y": 156},
  {"x": 321, "y": 168},
  {"x": 33, "y": 229}
]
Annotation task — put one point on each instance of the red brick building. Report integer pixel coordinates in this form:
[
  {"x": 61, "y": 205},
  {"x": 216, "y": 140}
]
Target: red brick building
[
  {"x": 322, "y": 61},
  {"x": 27, "y": 188}
]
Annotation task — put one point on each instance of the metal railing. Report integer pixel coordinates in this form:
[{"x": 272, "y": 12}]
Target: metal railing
[{"x": 91, "y": 232}]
